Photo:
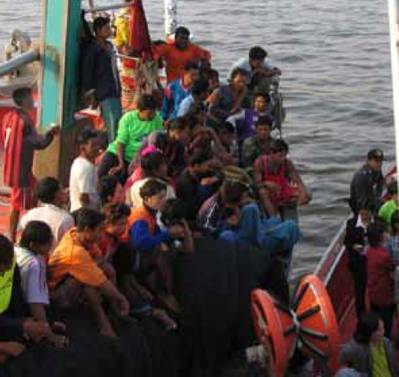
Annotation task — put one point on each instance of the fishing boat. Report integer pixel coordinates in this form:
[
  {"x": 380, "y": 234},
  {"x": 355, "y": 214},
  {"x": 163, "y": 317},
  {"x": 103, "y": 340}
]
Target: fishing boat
[{"x": 57, "y": 87}]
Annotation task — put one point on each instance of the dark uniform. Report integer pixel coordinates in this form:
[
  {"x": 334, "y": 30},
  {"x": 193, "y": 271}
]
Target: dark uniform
[{"x": 366, "y": 188}]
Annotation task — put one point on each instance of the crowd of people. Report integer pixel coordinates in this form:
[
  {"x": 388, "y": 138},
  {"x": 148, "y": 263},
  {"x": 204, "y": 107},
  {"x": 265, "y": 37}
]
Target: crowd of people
[
  {"x": 200, "y": 163},
  {"x": 371, "y": 243}
]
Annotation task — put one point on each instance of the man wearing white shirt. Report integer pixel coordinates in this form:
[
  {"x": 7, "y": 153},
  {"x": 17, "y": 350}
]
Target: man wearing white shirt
[
  {"x": 83, "y": 176},
  {"x": 255, "y": 63},
  {"x": 52, "y": 199}
]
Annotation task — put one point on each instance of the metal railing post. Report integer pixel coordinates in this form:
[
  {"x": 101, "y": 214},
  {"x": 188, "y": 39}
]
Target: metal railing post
[{"x": 13, "y": 64}]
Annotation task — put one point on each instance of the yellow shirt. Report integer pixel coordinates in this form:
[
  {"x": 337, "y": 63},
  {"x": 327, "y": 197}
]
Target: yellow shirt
[
  {"x": 122, "y": 28},
  {"x": 380, "y": 361}
]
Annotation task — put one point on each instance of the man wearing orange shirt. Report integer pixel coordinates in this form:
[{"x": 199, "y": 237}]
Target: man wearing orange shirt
[
  {"x": 178, "y": 54},
  {"x": 74, "y": 274}
]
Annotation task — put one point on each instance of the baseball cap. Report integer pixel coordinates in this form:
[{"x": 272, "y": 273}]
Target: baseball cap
[{"x": 375, "y": 154}]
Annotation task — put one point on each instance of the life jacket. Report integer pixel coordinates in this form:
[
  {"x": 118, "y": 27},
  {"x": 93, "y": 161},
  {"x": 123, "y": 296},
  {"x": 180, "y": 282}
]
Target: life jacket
[
  {"x": 6, "y": 284},
  {"x": 287, "y": 191},
  {"x": 140, "y": 214}
]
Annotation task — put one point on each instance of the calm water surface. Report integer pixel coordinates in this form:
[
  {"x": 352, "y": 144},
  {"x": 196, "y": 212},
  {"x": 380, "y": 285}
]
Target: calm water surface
[{"x": 337, "y": 85}]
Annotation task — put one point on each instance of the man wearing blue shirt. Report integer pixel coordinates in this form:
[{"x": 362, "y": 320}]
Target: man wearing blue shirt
[{"x": 178, "y": 90}]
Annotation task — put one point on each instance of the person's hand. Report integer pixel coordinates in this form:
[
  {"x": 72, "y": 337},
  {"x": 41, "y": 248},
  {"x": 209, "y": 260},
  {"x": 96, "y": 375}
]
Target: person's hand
[
  {"x": 273, "y": 186},
  {"x": 54, "y": 131},
  {"x": 116, "y": 170},
  {"x": 58, "y": 341},
  {"x": 176, "y": 231},
  {"x": 14, "y": 349},
  {"x": 35, "y": 330},
  {"x": 209, "y": 181},
  {"x": 124, "y": 306},
  {"x": 304, "y": 197}
]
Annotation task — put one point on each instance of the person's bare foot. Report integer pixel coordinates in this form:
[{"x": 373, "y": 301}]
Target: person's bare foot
[{"x": 163, "y": 317}]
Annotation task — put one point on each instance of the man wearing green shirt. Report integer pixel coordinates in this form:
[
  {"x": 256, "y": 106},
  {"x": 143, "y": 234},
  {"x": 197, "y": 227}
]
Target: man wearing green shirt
[
  {"x": 388, "y": 208},
  {"x": 133, "y": 127}
]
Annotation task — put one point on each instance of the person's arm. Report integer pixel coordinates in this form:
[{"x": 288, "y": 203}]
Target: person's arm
[
  {"x": 40, "y": 142},
  {"x": 142, "y": 239},
  {"x": 167, "y": 103},
  {"x": 120, "y": 153},
  {"x": 215, "y": 110},
  {"x": 160, "y": 51},
  {"x": 262, "y": 188},
  {"x": 38, "y": 312},
  {"x": 184, "y": 107},
  {"x": 305, "y": 195},
  {"x": 238, "y": 103},
  {"x": 10, "y": 349},
  {"x": 238, "y": 117},
  {"x": 201, "y": 53}
]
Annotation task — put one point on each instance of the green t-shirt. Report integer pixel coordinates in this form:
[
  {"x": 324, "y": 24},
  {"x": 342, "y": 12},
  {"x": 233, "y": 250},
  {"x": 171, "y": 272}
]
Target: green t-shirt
[
  {"x": 380, "y": 361},
  {"x": 387, "y": 210},
  {"x": 132, "y": 131}
]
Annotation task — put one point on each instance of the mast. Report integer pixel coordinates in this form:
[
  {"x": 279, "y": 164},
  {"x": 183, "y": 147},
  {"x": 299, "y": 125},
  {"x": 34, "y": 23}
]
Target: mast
[
  {"x": 394, "y": 38},
  {"x": 170, "y": 7}
]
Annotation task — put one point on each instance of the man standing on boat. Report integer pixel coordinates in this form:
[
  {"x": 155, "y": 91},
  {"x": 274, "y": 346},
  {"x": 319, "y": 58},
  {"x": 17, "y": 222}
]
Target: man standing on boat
[
  {"x": 100, "y": 77},
  {"x": 257, "y": 66},
  {"x": 367, "y": 183},
  {"x": 179, "y": 53},
  {"x": 20, "y": 142}
]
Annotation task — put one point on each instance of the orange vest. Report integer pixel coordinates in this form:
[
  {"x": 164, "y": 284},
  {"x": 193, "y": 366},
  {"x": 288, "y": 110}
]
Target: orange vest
[{"x": 141, "y": 214}]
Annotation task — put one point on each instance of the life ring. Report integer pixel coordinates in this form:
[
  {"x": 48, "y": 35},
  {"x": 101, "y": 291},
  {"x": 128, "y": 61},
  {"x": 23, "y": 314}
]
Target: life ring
[
  {"x": 309, "y": 323},
  {"x": 319, "y": 334},
  {"x": 270, "y": 322}
]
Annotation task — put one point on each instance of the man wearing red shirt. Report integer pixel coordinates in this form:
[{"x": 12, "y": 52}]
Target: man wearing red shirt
[
  {"x": 179, "y": 53},
  {"x": 380, "y": 282},
  {"x": 20, "y": 142}
]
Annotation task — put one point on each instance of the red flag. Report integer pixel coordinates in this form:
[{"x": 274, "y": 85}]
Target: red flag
[{"x": 139, "y": 38}]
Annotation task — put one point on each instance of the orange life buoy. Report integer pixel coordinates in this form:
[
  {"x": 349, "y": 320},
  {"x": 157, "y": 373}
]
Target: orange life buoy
[{"x": 309, "y": 323}]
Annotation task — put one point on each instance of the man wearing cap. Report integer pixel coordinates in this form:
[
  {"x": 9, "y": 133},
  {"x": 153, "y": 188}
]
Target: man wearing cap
[{"x": 367, "y": 183}]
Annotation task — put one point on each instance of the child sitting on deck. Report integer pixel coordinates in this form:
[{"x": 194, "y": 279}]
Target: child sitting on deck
[
  {"x": 278, "y": 179},
  {"x": 74, "y": 274},
  {"x": 14, "y": 321},
  {"x": 124, "y": 259},
  {"x": 34, "y": 246},
  {"x": 110, "y": 190},
  {"x": 146, "y": 236},
  {"x": 256, "y": 145},
  {"x": 52, "y": 198}
]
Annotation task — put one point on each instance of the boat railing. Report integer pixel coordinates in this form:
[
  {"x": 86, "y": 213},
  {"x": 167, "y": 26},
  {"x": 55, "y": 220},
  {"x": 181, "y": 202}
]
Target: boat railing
[
  {"x": 325, "y": 268},
  {"x": 19, "y": 61}
]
